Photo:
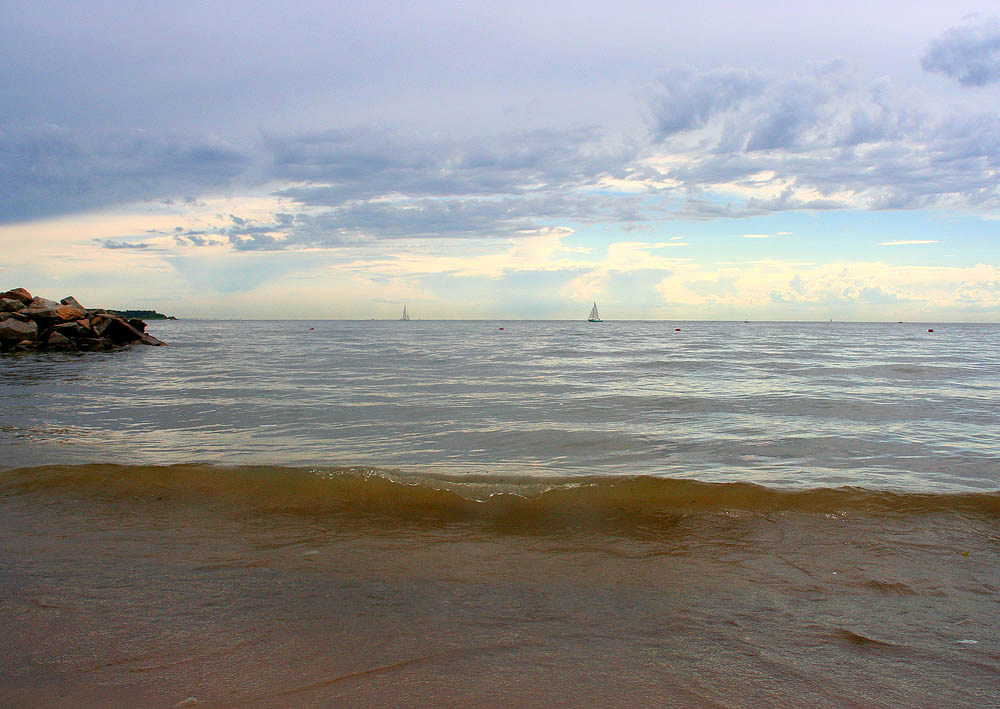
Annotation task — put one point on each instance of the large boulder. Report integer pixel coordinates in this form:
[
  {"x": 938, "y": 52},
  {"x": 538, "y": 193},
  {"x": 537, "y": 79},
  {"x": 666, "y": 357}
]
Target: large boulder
[
  {"x": 121, "y": 333},
  {"x": 17, "y": 294},
  {"x": 10, "y": 305},
  {"x": 14, "y": 330},
  {"x": 49, "y": 309}
]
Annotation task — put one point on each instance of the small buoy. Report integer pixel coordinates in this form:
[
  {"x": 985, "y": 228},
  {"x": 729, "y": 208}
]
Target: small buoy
[
  {"x": 677, "y": 329},
  {"x": 501, "y": 328},
  {"x": 930, "y": 330},
  {"x": 312, "y": 328}
]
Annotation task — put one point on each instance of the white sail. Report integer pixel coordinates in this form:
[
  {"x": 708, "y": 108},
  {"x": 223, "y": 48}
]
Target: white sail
[
  {"x": 594, "y": 316},
  {"x": 405, "y": 316}
]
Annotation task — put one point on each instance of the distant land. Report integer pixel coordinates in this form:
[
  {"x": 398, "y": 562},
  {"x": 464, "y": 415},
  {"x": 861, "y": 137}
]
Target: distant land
[{"x": 144, "y": 314}]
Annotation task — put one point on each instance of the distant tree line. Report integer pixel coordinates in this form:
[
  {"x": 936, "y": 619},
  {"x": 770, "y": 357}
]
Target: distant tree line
[{"x": 144, "y": 314}]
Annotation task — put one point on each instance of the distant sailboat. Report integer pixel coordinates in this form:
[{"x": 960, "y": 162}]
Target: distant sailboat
[
  {"x": 405, "y": 315},
  {"x": 594, "y": 316}
]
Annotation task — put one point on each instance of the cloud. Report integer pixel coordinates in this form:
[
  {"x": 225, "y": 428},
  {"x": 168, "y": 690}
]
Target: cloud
[
  {"x": 113, "y": 244},
  {"x": 362, "y": 185},
  {"x": 685, "y": 99},
  {"x": 907, "y": 242},
  {"x": 970, "y": 54},
  {"x": 334, "y": 167},
  {"x": 847, "y": 287},
  {"x": 48, "y": 169},
  {"x": 721, "y": 143},
  {"x": 819, "y": 139}
]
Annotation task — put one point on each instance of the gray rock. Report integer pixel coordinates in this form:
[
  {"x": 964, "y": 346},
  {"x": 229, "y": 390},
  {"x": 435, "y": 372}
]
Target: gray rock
[
  {"x": 10, "y": 305},
  {"x": 17, "y": 330},
  {"x": 40, "y": 302}
]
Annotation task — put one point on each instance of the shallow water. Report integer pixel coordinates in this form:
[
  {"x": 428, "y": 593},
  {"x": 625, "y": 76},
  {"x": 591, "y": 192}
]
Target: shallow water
[{"x": 447, "y": 514}]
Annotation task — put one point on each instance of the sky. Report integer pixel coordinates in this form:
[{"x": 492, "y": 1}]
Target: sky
[{"x": 771, "y": 160}]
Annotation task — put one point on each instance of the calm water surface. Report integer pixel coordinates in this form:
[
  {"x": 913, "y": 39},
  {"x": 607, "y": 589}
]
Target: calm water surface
[{"x": 790, "y": 404}]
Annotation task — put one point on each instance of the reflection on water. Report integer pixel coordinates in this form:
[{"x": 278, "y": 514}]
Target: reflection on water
[{"x": 790, "y": 404}]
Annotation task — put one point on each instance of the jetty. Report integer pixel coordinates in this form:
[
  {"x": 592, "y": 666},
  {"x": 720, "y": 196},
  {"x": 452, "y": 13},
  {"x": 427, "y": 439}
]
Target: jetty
[{"x": 31, "y": 323}]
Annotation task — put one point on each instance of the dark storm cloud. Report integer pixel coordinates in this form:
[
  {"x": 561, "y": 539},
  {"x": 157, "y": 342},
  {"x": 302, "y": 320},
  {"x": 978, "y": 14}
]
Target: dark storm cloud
[
  {"x": 969, "y": 54},
  {"x": 47, "y": 170}
]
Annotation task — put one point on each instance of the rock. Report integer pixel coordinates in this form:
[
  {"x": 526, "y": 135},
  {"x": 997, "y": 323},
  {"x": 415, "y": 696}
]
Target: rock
[
  {"x": 70, "y": 329},
  {"x": 13, "y": 329},
  {"x": 40, "y": 302},
  {"x": 70, "y": 312},
  {"x": 42, "y": 308},
  {"x": 100, "y": 323},
  {"x": 58, "y": 341},
  {"x": 31, "y": 323},
  {"x": 17, "y": 294},
  {"x": 121, "y": 333},
  {"x": 57, "y": 312}
]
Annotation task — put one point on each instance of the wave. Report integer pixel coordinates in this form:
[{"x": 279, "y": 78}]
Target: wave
[{"x": 524, "y": 500}]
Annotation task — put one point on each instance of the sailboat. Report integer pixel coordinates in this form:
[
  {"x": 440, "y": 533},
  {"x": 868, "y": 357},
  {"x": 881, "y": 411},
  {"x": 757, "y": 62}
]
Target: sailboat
[
  {"x": 405, "y": 316},
  {"x": 594, "y": 316}
]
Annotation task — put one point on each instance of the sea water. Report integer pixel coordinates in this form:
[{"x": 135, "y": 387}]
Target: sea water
[{"x": 505, "y": 513}]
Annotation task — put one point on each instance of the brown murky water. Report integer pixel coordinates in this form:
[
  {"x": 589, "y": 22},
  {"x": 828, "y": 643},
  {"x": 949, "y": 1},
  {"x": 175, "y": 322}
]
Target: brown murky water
[{"x": 267, "y": 587}]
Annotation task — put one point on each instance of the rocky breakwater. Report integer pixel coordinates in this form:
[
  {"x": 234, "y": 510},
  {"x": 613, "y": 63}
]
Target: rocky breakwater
[{"x": 28, "y": 324}]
